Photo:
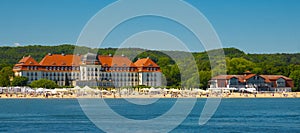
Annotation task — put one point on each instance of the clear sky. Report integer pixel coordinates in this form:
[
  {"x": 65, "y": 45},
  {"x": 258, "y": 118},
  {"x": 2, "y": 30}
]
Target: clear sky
[{"x": 254, "y": 26}]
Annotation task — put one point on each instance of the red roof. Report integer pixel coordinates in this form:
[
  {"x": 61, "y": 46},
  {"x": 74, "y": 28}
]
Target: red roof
[
  {"x": 115, "y": 61},
  {"x": 249, "y": 76},
  {"x": 145, "y": 62},
  {"x": 242, "y": 78},
  {"x": 61, "y": 60},
  {"x": 275, "y": 77},
  {"x": 27, "y": 61}
]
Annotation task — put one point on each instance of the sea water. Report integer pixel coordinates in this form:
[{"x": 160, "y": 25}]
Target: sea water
[{"x": 233, "y": 115}]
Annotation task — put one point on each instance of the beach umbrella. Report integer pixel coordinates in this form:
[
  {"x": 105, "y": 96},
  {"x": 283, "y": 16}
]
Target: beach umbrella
[
  {"x": 30, "y": 90},
  {"x": 76, "y": 88},
  {"x": 104, "y": 91},
  {"x": 61, "y": 90},
  {"x": 39, "y": 90},
  {"x": 86, "y": 89},
  {"x": 165, "y": 90},
  {"x": 174, "y": 90}
]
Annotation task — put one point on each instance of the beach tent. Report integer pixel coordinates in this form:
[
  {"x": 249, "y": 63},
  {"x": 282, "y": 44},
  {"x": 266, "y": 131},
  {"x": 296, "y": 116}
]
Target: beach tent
[
  {"x": 198, "y": 90},
  {"x": 174, "y": 90},
  {"x": 60, "y": 90},
  {"x": 104, "y": 91},
  {"x": 124, "y": 90},
  {"x": 30, "y": 90},
  {"x": 152, "y": 90},
  {"x": 165, "y": 90},
  {"x": 86, "y": 89},
  {"x": 145, "y": 89},
  {"x": 76, "y": 88},
  {"x": 39, "y": 90}
]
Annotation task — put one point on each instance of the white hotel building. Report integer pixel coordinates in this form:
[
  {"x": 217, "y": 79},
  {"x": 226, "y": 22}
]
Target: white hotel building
[{"x": 91, "y": 70}]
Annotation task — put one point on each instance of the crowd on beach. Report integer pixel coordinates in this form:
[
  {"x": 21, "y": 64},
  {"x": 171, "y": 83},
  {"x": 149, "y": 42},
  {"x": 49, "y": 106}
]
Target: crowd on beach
[{"x": 87, "y": 92}]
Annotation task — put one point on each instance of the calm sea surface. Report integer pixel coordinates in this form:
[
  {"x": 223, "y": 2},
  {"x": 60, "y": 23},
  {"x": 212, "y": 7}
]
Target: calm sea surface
[{"x": 233, "y": 115}]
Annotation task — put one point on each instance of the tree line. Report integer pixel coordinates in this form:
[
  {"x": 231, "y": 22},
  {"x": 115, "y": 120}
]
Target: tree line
[{"x": 171, "y": 62}]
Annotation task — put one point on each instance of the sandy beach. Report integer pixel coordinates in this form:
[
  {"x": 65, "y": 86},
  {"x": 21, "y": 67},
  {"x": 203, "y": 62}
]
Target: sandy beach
[{"x": 225, "y": 95}]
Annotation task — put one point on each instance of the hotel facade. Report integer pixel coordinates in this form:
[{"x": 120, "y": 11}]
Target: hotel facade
[
  {"x": 278, "y": 83},
  {"x": 91, "y": 70}
]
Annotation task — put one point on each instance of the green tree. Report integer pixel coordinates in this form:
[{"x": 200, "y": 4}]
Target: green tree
[
  {"x": 7, "y": 71},
  {"x": 43, "y": 83},
  {"x": 5, "y": 75},
  {"x": 295, "y": 75},
  {"x": 4, "y": 80},
  {"x": 19, "y": 81},
  {"x": 239, "y": 66},
  {"x": 205, "y": 76}
]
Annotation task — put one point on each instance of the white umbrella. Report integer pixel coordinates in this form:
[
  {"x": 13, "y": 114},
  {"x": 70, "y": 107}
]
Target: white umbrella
[
  {"x": 104, "y": 91},
  {"x": 39, "y": 90},
  {"x": 76, "y": 88},
  {"x": 60, "y": 90}
]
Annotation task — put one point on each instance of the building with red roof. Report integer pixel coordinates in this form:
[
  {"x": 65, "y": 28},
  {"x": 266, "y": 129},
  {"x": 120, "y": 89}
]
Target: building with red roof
[
  {"x": 278, "y": 83},
  {"x": 90, "y": 69},
  {"x": 149, "y": 72}
]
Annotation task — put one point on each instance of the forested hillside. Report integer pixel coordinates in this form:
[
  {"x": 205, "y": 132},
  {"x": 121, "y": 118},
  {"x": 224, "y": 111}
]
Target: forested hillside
[{"x": 237, "y": 61}]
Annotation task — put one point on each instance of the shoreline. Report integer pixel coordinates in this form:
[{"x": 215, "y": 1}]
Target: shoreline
[{"x": 225, "y": 96}]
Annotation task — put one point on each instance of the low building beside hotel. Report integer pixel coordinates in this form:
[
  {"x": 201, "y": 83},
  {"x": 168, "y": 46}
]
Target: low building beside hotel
[
  {"x": 276, "y": 83},
  {"x": 91, "y": 70}
]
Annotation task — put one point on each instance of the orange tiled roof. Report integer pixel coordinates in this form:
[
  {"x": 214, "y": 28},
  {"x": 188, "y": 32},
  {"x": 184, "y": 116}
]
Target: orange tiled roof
[
  {"x": 29, "y": 61},
  {"x": 61, "y": 60},
  {"x": 249, "y": 76},
  {"x": 275, "y": 77},
  {"x": 115, "y": 61},
  {"x": 242, "y": 78},
  {"x": 145, "y": 62}
]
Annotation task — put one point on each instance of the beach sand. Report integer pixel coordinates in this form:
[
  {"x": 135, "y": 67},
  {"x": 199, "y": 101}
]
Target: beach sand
[{"x": 225, "y": 95}]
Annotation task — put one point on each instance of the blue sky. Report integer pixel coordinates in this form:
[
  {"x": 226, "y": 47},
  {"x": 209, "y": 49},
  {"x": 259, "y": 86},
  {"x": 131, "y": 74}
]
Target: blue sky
[{"x": 254, "y": 26}]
